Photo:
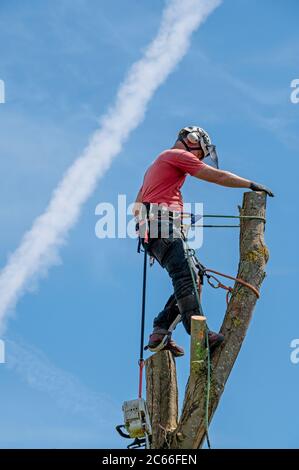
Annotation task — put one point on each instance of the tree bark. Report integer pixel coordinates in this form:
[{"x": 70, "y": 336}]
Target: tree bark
[
  {"x": 191, "y": 429},
  {"x": 162, "y": 397}
]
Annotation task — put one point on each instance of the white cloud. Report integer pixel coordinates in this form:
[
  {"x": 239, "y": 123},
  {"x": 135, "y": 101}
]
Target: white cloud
[{"x": 39, "y": 247}]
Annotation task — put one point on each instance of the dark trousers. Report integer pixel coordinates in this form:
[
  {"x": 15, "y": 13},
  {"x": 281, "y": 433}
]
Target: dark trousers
[{"x": 170, "y": 254}]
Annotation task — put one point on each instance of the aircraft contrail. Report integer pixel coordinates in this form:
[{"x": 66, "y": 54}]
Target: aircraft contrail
[
  {"x": 34, "y": 368},
  {"x": 39, "y": 246}
]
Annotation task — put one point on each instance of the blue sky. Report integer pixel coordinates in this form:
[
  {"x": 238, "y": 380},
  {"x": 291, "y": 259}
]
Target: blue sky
[{"x": 73, "y": 343}]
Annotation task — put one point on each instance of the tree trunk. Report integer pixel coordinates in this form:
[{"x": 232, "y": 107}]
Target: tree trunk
[
  {"x": 191, "y": 429},
  {"x": 162, "y": 397}
]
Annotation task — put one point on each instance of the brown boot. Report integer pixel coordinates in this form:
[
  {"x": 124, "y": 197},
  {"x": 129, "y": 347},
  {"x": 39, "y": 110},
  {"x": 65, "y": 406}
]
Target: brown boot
[
  {"x": 176, "y": 350},
  {"x": 160, "y": 340}
]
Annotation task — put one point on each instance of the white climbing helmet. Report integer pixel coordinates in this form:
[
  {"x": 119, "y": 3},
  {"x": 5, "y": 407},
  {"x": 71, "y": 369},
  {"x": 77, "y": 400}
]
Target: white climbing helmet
[{"x": 197, "y": 135}]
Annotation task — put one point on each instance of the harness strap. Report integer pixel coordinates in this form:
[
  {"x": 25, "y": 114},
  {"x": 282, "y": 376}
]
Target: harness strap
[{"x": 141, "y": 360}]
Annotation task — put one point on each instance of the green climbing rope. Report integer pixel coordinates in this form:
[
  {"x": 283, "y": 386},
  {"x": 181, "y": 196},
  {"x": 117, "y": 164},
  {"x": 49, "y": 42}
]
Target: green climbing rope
[
  {"x": 216, "y": 226},
  {"x": 248, "y": 217}
]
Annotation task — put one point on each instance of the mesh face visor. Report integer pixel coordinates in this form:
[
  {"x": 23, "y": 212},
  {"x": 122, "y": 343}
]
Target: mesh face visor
[{"x": 211, "y": 156}]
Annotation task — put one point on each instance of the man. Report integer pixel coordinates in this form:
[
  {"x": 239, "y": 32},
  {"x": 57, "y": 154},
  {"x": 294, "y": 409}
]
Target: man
[{"x": 161, "y": 187}]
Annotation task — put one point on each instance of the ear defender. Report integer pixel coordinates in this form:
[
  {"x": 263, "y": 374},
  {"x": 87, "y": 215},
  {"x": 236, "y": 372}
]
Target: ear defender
[{"x": 193, "y": 137}]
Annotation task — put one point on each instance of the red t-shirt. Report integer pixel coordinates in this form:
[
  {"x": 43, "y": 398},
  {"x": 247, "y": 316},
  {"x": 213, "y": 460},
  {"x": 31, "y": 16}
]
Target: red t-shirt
[{"x": 166, "y": 175}]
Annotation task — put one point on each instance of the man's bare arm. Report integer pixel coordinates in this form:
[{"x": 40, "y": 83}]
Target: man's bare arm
[
  {"x": 224, "y": 178},
  {"x": 230, "y": 180}
]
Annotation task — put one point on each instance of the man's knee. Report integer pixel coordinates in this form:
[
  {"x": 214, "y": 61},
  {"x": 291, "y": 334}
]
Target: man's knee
[{"x": 188, "y": 306}]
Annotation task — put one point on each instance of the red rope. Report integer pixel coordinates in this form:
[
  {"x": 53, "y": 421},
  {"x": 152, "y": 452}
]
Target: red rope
[
  {"x": 141, "y": 365},
  {"x": 228, "y": 288}
]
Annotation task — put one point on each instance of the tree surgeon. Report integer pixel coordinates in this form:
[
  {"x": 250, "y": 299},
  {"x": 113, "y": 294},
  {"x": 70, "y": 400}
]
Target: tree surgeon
[{"x": 160, "y": 200}]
